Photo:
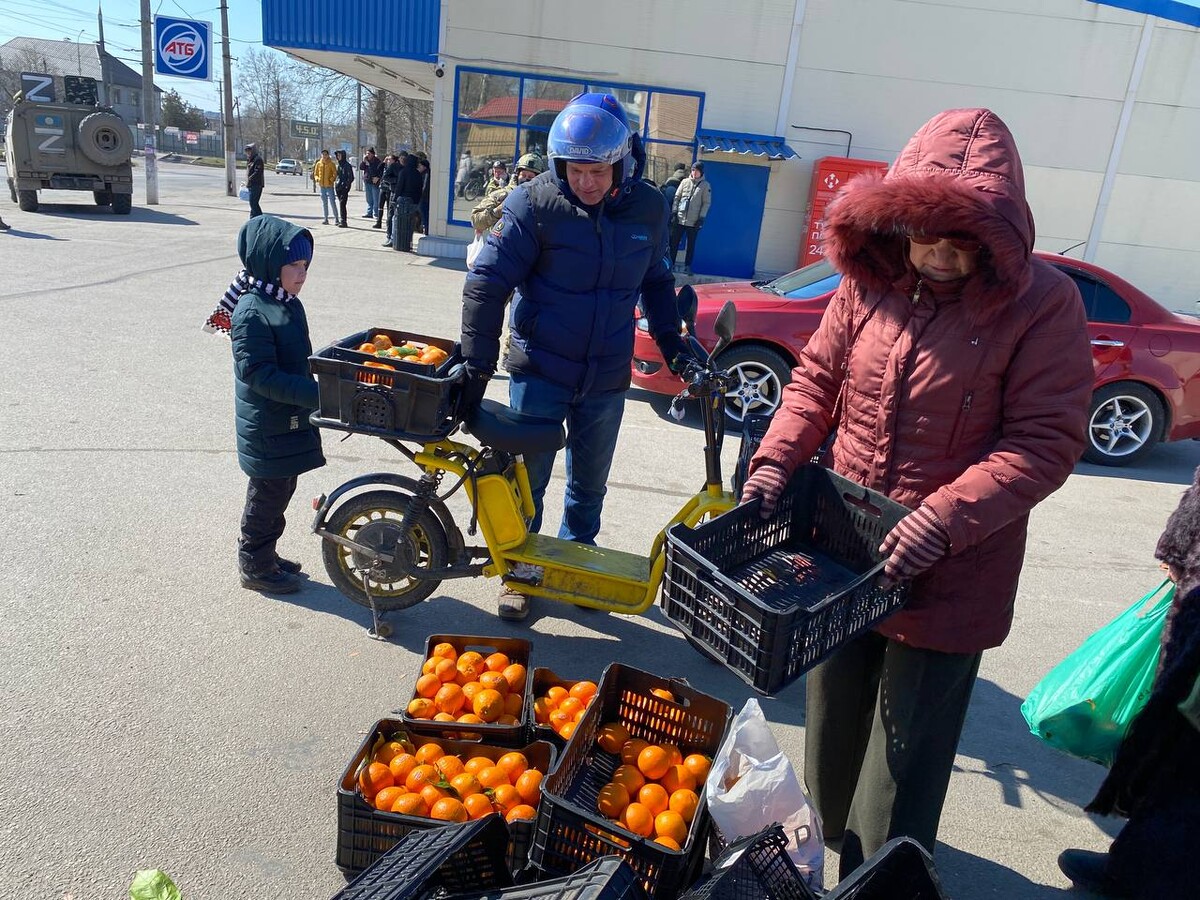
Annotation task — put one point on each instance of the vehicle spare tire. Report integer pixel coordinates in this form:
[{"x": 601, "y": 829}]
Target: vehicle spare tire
[{"x": 104, "y": 138}]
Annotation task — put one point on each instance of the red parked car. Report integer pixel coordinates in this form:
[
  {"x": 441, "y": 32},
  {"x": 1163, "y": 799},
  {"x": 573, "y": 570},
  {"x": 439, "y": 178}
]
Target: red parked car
[{"x": 1147, "y": 358}]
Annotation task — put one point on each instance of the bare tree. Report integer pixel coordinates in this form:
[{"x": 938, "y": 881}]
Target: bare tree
[
  {"x": 12, "y": 64},
  {"x": 268, "y": 96},
  {"x": 411, "y": 121}
]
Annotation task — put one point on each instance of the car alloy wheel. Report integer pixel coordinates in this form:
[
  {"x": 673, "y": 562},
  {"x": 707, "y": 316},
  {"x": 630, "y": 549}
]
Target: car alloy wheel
[
  {"x": 1124, "y": 424},
  {"x": 760, "y": 375}
]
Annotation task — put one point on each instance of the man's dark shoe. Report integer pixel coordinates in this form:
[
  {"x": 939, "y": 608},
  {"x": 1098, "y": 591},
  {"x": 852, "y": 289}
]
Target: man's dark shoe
[
  {"x": 1089, "y": 870},
  {"x": 386, "y": 244},
  {"x": 512, "y": 606},
  {"x": 342, "y": 225},
  {"x": 377, "y": 225},
  {"x": 277, "y": 582},
  {"x": 290, "y": 566}
]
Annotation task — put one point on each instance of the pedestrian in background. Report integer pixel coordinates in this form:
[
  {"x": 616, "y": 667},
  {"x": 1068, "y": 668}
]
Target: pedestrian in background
[
  {"x": 955, "y": 371},
  {"x": 372, "y": 169},
  {"x": 387, "y": 189},
  {"x": 499, "y": 177},
  {"x": 255, "y": 178},
  {"x": 671, "y": 185},
  {"x": 689, "y": 207},
  {"x": 464, "y": 169},
  {"x": 423, "y": 168},
  {"x": 325, "y": 175},
  {"x": 341, "y": 187}
]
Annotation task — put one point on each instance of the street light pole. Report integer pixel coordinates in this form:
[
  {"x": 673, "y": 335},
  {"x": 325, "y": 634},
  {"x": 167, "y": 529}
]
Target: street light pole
[
  {"x": 227, "y": 106},
  {"x": 149, "y": 160}
]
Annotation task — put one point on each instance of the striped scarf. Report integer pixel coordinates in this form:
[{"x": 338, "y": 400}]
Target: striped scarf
[{"x": 221, "y": 319}]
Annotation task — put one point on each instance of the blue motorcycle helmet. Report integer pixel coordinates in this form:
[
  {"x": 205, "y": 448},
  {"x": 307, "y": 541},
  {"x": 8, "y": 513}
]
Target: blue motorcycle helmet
[{"x": 592, "y": 128}]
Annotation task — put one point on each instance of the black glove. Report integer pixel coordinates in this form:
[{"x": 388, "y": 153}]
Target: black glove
[
  {"x": 699, "y": 223},
  {"x": 473, "y": 389},
  {"x": 676, "y": 352}
]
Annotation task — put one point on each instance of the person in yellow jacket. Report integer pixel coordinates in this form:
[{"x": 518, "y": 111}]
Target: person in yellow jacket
[{"x": 324, "y": 173}]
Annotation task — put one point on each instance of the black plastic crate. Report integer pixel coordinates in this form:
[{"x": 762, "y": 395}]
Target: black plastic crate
[
  {"x": 517, "y": 650},
  {"x": 900, "y": 870},
  {"x": 543, "y": 679},
  {"x": 571, "y": 832},
  {"x": 771, "y": 598},
  {"x": 437, "y": 862},
  {"x": 754, "y": 429},
  {"x": 365, "y": 833},
  {"x": 754, "y": 868},
  {"x": 413, "y": 401},
  {"x": 608, "y": 878}
]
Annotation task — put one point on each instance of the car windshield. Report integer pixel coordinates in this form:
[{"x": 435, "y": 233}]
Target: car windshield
[{"x": 814, "y": 280}]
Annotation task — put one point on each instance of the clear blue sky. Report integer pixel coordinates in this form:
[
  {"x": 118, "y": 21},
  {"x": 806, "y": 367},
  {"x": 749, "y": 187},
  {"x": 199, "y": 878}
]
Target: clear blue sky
[{"x": 64, "y": 19}]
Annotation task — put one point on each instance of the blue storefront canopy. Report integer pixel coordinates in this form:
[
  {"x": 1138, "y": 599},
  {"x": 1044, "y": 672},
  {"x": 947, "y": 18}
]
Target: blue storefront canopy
[
  {"x": 738, "y": 142},
  {"x": 1185, "y": 11}
]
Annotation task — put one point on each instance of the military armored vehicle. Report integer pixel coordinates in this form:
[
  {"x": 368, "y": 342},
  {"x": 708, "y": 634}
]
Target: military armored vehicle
[{"x": 69, "y": 147}]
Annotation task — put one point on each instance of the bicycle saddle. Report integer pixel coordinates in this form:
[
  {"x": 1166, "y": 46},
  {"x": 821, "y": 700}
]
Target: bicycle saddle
[{"x": 499, "y": 426}]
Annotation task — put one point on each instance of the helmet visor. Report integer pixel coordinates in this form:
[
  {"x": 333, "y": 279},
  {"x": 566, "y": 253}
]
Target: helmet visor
[{"x": 588, "y": 134}]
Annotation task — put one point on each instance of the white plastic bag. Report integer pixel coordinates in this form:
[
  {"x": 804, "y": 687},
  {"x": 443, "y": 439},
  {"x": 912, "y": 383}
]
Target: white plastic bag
[
  {"x": 752, "y": 785},
  {"x": 243, "y": 192},
  {"x": 474, "y": 247}
]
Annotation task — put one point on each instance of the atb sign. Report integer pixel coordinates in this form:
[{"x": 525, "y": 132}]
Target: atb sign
[
  {"x": 183, "y": 48},
  {"x": 306, "y": 129}
]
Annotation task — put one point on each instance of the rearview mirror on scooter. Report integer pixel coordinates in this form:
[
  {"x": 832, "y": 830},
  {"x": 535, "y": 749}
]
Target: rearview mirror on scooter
[{"x": 724, "y": 325}]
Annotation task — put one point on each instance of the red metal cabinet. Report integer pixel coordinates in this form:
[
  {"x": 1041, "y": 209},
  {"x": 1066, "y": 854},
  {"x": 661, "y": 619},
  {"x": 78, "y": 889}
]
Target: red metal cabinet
[{"x": 830, "y": 174}]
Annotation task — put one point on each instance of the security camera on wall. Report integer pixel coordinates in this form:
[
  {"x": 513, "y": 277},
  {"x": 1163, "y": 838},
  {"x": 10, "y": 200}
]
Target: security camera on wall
[{"x": 439, "y": 70}]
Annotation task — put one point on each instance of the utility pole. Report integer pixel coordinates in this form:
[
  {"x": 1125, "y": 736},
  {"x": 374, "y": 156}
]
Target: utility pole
[
  {"x": 278, "y": 121},
  {"x": 149, "y": 160},
  {"x": 103, "y": 54},
  {"x": 227, "y": 106},
  {"x": 358, "y": 141}
]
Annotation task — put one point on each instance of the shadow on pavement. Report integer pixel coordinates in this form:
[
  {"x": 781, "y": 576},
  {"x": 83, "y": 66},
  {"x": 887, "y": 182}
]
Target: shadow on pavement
[
  {"x": 1172, "y": 463},
  {"x": 957, "y": 867},
  {"x": 325, "y": 598},
  {"x": 32, "y": 235},
  {"x": 137, "y": 214}
]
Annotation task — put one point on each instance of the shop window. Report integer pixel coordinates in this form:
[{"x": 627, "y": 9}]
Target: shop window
[
  {"x": 661, "y": 160},
  {"x": 673, "y": 117},
  {"x": 543, "y": 99},
  {"x": 633, "y": 100},
  {"x": 487, "y": 95}
]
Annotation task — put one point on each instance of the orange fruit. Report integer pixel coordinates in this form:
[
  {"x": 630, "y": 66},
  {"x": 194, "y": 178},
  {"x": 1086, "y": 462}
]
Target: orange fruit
[
  {"x": 529, "y": 786},
  {"x": 401, "y": 765},
  {"x": 429, "y": 753},
  {"x": 466, "y": 784},
  {"x": 612, "y": 737},
  {"x": 514, "y": 704},
  {"x": 670, "y": 824},
  {"x": 431, "y": 794},
  {"x": 542, "y": 710},
  {"x": 495, "y": 681},
  {"x": 427, "y": 667},
  {"x": 571, "y": 706},
  {"x": 556, "y": 694},
  {"x": 386, "y": 797},
  {"x": 427, "y": 686},
  {"x": 449, "y": 698},
  {"x": 668, "y": 842},
  {"x": 612, "y": 800},
  {"x": 630, "y": 778},
  {"x": 470, "y": 689},
  {"x": 638, "y": 819},
  {"x": 579, "y": 715},
  {"x": 678, "y": 777},
  {"x": 558, "y": 719},
  {"x": 698, "y": 764},
  {"x": 471, "y": 667},
  {"x": 420, "y": 776},
  {"x": 497, "y": 662},
  {"x": 654, "y": 762},
  {"x": 373, "y": 778},
  {"x": 421, "y": 708},
  {"x": 514, "y": 764},
  {"x": 449, "y": 766},
  {"x": 443, "y": 717},
  {"x": 492, "y": 777},
  {"x": 445, "y": 650},
  {"x": 521, "y": 811},
  {"x": 448, "y": 810},
  {"x": 583, "y": 690},
  {"x": 566, "y": 731},
  {"x": 476, "y": 764},
  {"x": 505, "y": 797},
  {"x": 515, "y": 675},
  {"x": 506, "y": 719},
  {"x": 411, "y": 804},
  {"x": 630, "y": 750},
  {"x": 674, "y": 754},
  {"x": 478, "y": 806},
  {"x": 653, "y": 796},
  {"x": 473, "y": 655},
  {"x": 488, "y": 705},
  {"x": 684, "y": 802},
  {"x": 387, "y": 752},
  {"x": 446, "y": 670},
  {"x": 664, "y": 693}
]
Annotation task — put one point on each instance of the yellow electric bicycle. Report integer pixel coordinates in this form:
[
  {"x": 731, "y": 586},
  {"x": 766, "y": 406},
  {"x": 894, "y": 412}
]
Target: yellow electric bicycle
[{"x": 390, "y": 543}]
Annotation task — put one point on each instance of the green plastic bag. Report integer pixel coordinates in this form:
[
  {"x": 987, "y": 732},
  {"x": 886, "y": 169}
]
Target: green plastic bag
[{"x": 1084, "y": 704}]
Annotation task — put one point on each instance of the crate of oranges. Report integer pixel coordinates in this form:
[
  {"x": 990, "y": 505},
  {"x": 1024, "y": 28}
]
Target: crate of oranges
[
  {"x": 472, "y": 688},
  {"x": 556, "y": 704},
  {"x": 630, "y": 782},
  {"x": 398, "y": 782}
]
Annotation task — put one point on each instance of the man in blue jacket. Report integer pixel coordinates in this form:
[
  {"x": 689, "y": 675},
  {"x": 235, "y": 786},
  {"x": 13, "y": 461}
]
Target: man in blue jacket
[{"x": 578, "y": 244}]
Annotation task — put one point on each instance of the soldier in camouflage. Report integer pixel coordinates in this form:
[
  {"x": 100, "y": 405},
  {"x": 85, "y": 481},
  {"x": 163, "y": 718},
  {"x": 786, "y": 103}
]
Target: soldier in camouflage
[{"x": 487, "y": 211}]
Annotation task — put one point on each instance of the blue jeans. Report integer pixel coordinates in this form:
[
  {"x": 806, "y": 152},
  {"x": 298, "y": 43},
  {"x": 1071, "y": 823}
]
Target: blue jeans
[
  {"x": 372, "y": 197},
  {"x": 328, "y": 202},
  {"x": 593, "y": 421}
]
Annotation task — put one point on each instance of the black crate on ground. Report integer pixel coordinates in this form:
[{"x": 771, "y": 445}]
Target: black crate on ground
[
  {"x": 608, "y": 878},
  {"x": 365, "y": 833},
  {"x": 412, "y": 401},
  {"x": 900, "y": 870},
  {"x": 570, "y": 831},
  {"x": 754, "y": 868},
  {"x": 754, "y": 428},
  {"x": 544, "y": 679},
  {"x": 771, "y": 598},
  {"x": 518, "y": 651},
  {"x": 438, "y": 861}
]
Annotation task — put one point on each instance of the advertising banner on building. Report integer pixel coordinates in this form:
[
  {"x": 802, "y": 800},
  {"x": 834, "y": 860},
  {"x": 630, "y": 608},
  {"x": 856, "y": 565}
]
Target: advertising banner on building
[
  {"x": 183, "y": 48},
  {"x": 1185, "y": 11}
]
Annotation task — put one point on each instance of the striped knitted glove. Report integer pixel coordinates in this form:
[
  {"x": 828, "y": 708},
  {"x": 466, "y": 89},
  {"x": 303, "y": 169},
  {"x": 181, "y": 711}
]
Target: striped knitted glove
[
  {"x": 767, "y": 482},
  {"x": 917, "y": 542}
]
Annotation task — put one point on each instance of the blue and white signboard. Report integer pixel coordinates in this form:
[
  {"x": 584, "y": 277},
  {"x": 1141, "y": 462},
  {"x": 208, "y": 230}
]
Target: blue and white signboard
[
  {"x": 183, "y": 48},
  {"x": 1185, "y": 11}
]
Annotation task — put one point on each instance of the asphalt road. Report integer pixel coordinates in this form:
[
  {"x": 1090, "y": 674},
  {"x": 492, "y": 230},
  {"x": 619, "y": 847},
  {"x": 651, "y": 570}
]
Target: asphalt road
[{"x": 157, "y": 715}]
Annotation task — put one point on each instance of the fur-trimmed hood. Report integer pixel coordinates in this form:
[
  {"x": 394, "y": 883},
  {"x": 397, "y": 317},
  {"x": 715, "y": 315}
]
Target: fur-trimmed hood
[
  {"x": 960, "y": 173},
  {"x": 1179, "y": 544}
]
